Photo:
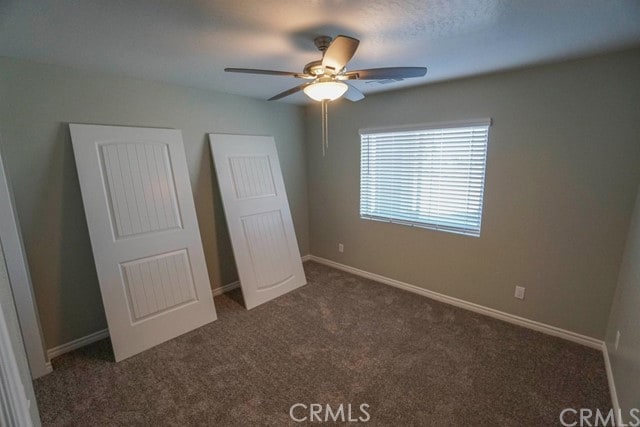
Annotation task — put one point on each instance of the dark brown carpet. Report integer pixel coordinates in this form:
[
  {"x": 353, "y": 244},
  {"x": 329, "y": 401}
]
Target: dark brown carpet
[{"x": 340, "y": 339}]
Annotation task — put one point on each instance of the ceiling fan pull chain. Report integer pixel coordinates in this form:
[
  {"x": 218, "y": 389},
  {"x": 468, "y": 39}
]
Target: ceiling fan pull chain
[
  {"x": 326, "y": 124},
  {"x": 322, "y": 124},
  {"x": 325, "y": 128}
]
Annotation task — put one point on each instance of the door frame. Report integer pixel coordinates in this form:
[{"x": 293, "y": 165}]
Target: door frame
[
  {"x": 20, "y": 280},
  {"x": 13, "y": 400}
]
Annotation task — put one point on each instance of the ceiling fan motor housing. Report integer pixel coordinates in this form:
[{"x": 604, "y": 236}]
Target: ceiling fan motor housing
[{"x": 314, "y": 68}]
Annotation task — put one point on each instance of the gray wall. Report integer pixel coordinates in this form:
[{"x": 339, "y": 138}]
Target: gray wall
[
  {"x": 11, "y": 317},
  {"x": 38, "y": 102},
  {"x": 625, "y": 317},
  {"x": 562, "y": 172}
]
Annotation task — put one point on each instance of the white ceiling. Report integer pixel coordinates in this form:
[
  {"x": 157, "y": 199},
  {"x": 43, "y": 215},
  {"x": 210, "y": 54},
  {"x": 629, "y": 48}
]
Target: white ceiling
[{"x": 189, "y": 42}]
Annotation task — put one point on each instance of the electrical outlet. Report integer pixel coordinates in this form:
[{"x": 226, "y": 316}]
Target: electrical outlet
[
  {"x": 340, "y": 247},
  {"x": 519, "y": 292},
  {"x": 617, "y": 340}
]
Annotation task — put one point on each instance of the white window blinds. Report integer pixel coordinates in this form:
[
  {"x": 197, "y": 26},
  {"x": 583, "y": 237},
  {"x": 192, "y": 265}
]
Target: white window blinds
[{"x": 429, "y": 176}]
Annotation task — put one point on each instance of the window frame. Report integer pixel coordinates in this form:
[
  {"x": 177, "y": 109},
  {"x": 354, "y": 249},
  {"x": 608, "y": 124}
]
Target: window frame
[{"x": 417, "y": 222}]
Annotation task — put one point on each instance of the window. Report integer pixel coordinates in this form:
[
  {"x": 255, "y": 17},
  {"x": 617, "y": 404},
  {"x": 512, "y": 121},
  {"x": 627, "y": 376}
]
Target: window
[{"x": 429, "y": 176}]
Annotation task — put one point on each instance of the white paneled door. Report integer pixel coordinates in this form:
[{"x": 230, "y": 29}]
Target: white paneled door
[
  {"x": 144, "y": 233},
  {"x": 257, "y": 211}
]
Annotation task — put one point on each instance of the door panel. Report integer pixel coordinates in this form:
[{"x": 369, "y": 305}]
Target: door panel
[
  {"x": 258, "y": 216},
  {"x": 140, "y": 186},
  {"x": 144, "y": 234},
  {"x": 158, "y": 283},
  {"x": 267, "y": 243}
]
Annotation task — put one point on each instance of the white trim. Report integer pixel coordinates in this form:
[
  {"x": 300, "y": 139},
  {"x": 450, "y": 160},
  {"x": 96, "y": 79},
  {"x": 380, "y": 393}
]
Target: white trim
[
  {"x": 76, "y": 344},
  {"x": 497, "y": 314},
  {"x": 226, "y": 288},
  {"x": 423, "y": 126},
  {"x": 104, "y": 333},
  {"x": 612, "y": 386},
  {"x": 477, "y": 308},
  {"x": 14, "y": 405},
  {"x": 20, "y": 280}
]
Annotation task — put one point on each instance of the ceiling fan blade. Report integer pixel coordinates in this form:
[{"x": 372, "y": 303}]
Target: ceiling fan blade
[
  {"x": 289, "y": 92},
  {"x": 387, "y": 73},
  {"x": 267, "y": 72},
  {"x": 339, "y": 52},
  {"x": 353, "y": 93}
]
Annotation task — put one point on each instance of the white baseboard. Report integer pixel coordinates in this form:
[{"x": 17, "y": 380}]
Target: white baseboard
[
  {"x": 45, "y": 369},
  {"x": 75, "y": 344},
  {"x": 477, "y": 308},
  {"x": 97, "y": 336},
  {"x": 226, "y": 288},
  {"x": 612, "y": 386},
  {"x": 510, "y": 318}
]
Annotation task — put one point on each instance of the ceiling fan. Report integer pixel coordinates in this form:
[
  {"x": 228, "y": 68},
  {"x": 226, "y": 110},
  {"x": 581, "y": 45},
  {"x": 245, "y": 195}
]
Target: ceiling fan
[{"x": 328, "y": 77}]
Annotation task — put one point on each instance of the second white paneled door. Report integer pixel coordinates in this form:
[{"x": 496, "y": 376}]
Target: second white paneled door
[
  {"x": 144, "y": 234},
  {"x": 257, "y": 211}
]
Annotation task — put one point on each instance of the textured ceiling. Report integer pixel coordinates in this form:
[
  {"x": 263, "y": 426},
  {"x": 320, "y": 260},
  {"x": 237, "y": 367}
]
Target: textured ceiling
[{"x": 189, "y": 42}]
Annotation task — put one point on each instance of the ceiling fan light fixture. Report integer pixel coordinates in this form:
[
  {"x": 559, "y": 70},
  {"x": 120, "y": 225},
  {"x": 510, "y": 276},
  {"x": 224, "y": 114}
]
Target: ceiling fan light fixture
[{"x": 325, "y": 90}]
